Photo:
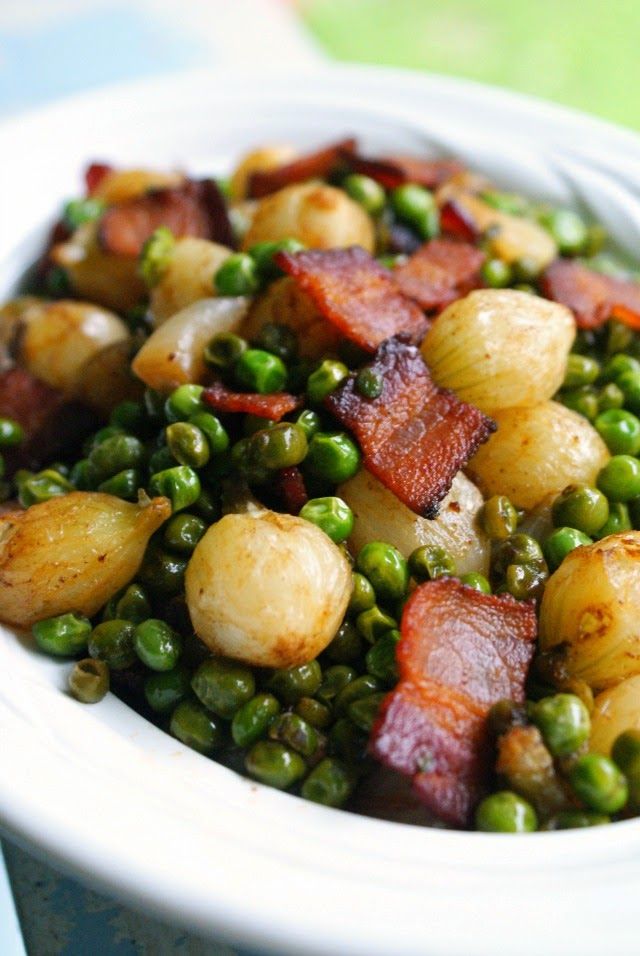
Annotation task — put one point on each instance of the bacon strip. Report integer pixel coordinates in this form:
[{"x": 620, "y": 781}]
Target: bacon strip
[
  {"x": 94, "y": 174},
  {"x": 356, "y": 294},
  {"x": 51, "y": 422},
  {"x": 273, "y": 406},
  {"x": 316, "y": 165},
  {"x": 460, "y": 652},
  {"x": 288, "y": 484},
  {"x": 593, "y": 297},
  {"x": 456, "y": 221},
  {"x": 415, "y": 436},
  {"x": 196, "y": 208},
  {"x": 440, "y": 272},
  {"x": 394, "y": 171}
]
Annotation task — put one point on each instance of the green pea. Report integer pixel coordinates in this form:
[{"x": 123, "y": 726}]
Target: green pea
[
  {"x": 188, "y": 444},
  {"x": 333, "y": 457},
  {"x": 112, "y": 642},
  {"x": 416, "y": 206},
  {"x": 183, "y": 531},
  {"x": 505, "y": 812},
  {"x": 180, "y": 484},
  {"x": 125, "y": 484},
  {"x": 57, "y": 282},
  {"x": 281, "y": 446},
  {"x": 252, "y": 720},
  {"x": 212, "y": 428},
  {"x": 369, "y": 383},
  {"x": 161, "y": 572},
  {"x": 576, "y": 819},
  {"x": 346, "y": 646},
  {"x": 315, "y": 713},
  {"x": 157, "y": 645},
  {"x": 256, "y": 423},
  {"x": 625, "y": 751},
  {"x": 184, "y": 401},
  {"x": 364, "y": 711},
  {"x": 374, "y": 622},
  {"x": 78, "y": 211},
  {"x": 326, "y": 378},
  {"x": 619, "y": 480},
  {"x": 133, "y": 605},
  {"x": 291, "y": 730},
  {"x": 11, "y": 433},
  {"x": 291, "y": 683},
  {"x": 525, "y": 581},
  {"x": 610, "y": 396},
  {"x": 618, "y": 520},
  {"x": 560, "y": 543},
  {"x": 116, "y": 454},
  {"x": 163, "y": 690},
  {"x": 498, "y": 517},
  {"x": 275, "y": 765},
  {"x": 510, "y": 203},
  {"x": 526, "y": 270},
  {"x": 584, "y": 401},
  {"x": 581, "y": 507},
  {"x": 363, "y": 597},
  {"x": 34, "y": 489},
  {"x": 238, "y": 275},
  {"x": 355, "y": 690},
  {"x": 223, "y": 686},
  {"x": 330, "y": 783},
  {"x": 156, "y": 255},
  {"x": 207, "y": 506},
  {"x": 385, "y": 568},
  {"x": 278, "y": 339},
  {"x": 431, "y": 562},
  {"x": 160, "y": 460},
  {"x": 381, "y": 658},
  {"x": 620, "y": 430},
  {"x": 366, "y": 192},
  {"x": 563, "y": 720},
  {"x": 63, "y": 636},
  {"x": 335, "y": 679},
  {"x": 629, "y": 385},
  {"x": 260, "y": 371},
  {"x": 581, "y": 370},
  {"x": 310, "y": 422},
  {"x": 89, "y": 681},
  {"x": 81, "y": 475},
  {"x": 619, "y": 365},
  {"x": 263, "y": 254},
  {"x": 599, "y": 783},
  {"x": 496, "y": 273},
  {"x": 477, "y": 581},
  {"x": 129, "y": 416},
  {"x": 348, "y": 742},
  {"x": 568, "y": 229},
  {"x": 224, "y": 350},
  {"x": 196, "y": 727},
  {"x": 332, "y": 515}
]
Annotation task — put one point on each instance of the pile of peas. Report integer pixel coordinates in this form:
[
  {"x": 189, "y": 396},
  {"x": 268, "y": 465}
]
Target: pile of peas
[{"x": 306, "y": 728}]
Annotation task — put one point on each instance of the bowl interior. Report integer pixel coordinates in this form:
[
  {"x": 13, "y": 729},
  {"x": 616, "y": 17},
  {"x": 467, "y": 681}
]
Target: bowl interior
[{"x": 116, "y": 800}]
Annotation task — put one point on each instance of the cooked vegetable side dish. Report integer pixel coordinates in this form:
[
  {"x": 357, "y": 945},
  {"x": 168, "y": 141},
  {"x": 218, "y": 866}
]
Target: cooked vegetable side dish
[{"x": 332, "y": 471}]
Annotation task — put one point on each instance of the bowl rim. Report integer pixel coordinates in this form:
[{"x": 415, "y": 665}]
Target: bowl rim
[{"x": 461, "y": 865}]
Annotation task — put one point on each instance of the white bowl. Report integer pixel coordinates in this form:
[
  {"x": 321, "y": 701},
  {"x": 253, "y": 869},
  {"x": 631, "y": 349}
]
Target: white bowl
[{"x": 115, "y": 801}]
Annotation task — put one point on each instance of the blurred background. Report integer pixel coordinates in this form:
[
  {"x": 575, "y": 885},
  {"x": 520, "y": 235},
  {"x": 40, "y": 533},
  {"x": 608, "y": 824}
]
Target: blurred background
[{"x": 582, "y": 53}]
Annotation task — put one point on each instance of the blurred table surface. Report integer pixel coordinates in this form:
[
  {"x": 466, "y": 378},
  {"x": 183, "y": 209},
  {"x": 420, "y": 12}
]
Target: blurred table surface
[{"x": 581, "y": 52}]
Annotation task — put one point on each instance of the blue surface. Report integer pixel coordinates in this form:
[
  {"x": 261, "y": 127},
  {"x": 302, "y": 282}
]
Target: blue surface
[{"x": 89, "y": 49}]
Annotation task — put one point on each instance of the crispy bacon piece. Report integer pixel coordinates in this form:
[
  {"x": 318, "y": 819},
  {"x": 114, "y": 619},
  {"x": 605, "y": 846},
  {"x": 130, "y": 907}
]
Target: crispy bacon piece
[
  {"x": 440, "y": 272},
  {"x": 273, "y": 406},
  {"x": 289, "y": 487},
  {"x": 94, "y": 174},
  {"x": 50, "y": 421},
  {"x": 460, "y": 652},
  {"x": 415, "y": 436},
  {"x": 317, "y": 165},
  {"x": 356, "y": 294},
  {"x": 456, "y": 221},
  {"x": 195, "y": 208},
  {"x": 592, "y": 296},
  {"x": 394, "y": 171}
]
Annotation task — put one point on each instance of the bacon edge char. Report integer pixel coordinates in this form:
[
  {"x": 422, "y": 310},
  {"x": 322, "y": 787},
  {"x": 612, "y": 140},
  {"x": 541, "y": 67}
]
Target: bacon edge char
[
  {"x": 592, "y": 296},
  {"x": 316, "y": 165},
  {"x": 440, "y": 272},
  {"x": 394, "y": 171},
  {"x": 460, "y": 652},
  {"x": 273, "y": 406}
]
